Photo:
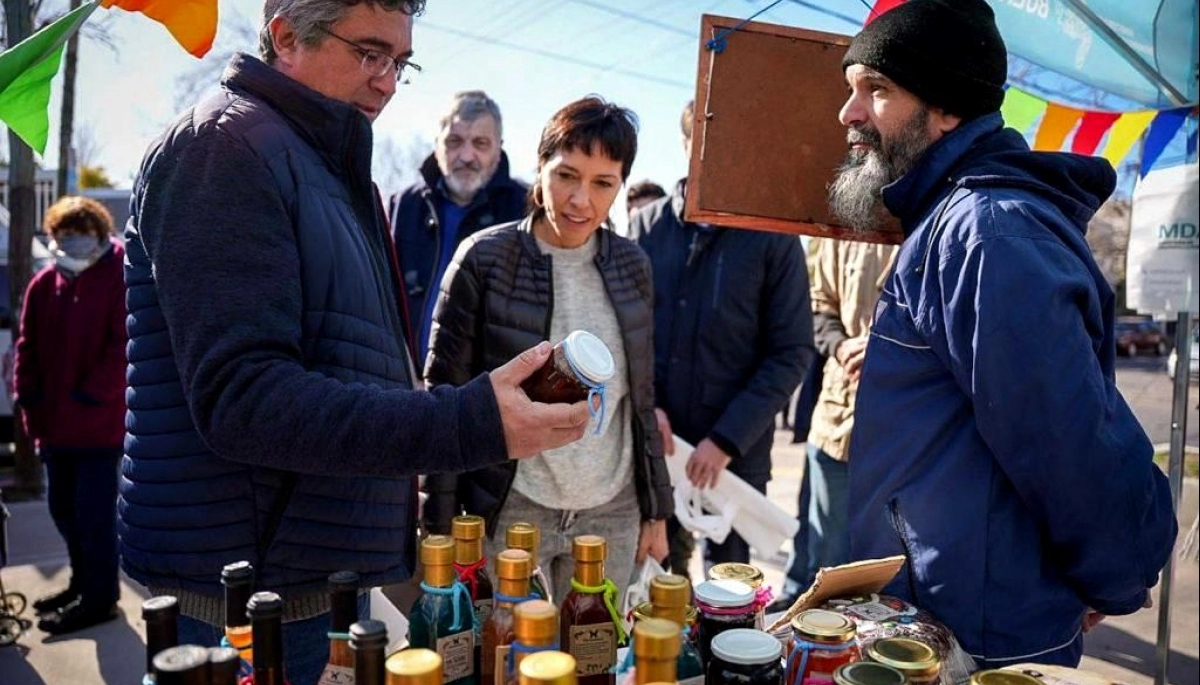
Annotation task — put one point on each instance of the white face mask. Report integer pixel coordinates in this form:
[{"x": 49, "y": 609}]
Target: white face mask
[{"x": 75, "y": 253}]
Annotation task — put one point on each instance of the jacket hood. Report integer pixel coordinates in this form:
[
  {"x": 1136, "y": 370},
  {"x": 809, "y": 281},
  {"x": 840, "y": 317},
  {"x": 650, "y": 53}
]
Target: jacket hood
[
  {"x": 982, "y": 153},
  {"x": 432, "y": 173}
]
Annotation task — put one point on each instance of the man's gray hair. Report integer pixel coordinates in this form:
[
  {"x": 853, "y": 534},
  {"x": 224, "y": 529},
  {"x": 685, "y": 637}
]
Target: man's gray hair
[
  {"x": 310, "y": 18},
  {"x": 468, "y": 106}
]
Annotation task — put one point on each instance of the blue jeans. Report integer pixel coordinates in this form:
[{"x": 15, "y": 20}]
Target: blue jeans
[
  {"x": 305, "y": 643},
  {"x": 828, "y": 511},
  {"x": 799, "y": 575}
]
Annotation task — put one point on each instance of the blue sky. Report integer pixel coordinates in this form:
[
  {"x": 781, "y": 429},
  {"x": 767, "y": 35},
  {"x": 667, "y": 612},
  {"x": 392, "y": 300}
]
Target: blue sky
[{"x": 531, "y": 56}]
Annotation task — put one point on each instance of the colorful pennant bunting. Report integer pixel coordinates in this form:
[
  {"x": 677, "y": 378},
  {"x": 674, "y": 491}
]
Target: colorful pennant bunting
[
  {"x": 1124, "y": 134},
  {"x": 1092, "y": 128},
  {"x": 193, "y": 23},
  {"x": 1056, "y": 124},
  {"x": 1162, "y": 130},
  {"x": 1020, "y": 110}
]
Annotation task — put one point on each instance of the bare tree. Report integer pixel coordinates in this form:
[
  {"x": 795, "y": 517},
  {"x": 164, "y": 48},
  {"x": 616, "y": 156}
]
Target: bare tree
[
  {"x": 1108, "y": 236},
  {"x": 396, "y": 165},
  {"x": 236, "y": 34}
]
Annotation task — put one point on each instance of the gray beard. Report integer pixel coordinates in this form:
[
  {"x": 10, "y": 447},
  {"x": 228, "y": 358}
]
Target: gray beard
[
  {"x": 855, "y": 195},
  {"x": 468, "y": 190}
]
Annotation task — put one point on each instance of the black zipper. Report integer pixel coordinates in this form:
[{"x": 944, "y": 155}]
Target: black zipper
[{"x": 898, "y": 526}]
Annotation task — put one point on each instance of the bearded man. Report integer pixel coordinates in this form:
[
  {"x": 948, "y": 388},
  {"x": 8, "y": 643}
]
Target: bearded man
[
  {"x": 991, "y": 446},
  {"x": 465, "y": 187}
]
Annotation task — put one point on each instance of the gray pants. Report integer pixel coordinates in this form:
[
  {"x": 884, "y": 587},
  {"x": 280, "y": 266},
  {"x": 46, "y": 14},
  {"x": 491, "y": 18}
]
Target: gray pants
[{"x": 618, "y": 521}]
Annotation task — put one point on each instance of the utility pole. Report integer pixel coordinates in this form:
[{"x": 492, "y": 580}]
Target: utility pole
[
  {"x": 22, "y": 213},
  {"x": 66, "y": 125}
]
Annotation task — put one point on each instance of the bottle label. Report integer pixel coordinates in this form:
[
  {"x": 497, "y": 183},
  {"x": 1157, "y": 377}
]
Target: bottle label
[
  {"x": 458, "y": 655},
  {"x": 501, "y": 677},
  {"x": 594, "y": 647},
  {"x": 337, "y": 675},
  {"x": 483, "y": 609}
]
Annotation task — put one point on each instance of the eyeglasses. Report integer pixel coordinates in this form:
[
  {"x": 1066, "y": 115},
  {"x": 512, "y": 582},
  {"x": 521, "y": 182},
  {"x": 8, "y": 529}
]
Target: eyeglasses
[{"x": 375, "y": 63}]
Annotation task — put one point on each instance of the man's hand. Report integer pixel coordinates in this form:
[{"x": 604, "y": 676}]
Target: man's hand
[
  {"x": 652, "y": 541},
  {"x": 664, "y": 428},
  {"x": 850, "y": 353},
  {"x": 707, "y": 464},
  {"x": 1091, "y": 619},
  {"x": 532, "y": 427}
]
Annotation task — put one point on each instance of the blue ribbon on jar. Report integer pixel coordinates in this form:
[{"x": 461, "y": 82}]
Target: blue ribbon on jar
[{"x": 594, "y": 390}]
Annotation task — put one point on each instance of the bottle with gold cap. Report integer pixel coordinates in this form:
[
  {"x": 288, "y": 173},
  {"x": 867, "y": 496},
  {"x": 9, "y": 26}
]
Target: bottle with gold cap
[
  {"x": 512, "y": 573},
  {"x": 915, "y": 659},
  {"x": 471, "y": 565},
  {"x": 656, "y": 645},
  {"x": 442, "y": 619},
  {"x": 670, "y": 599},
  {"x": 548, "y": 668},
  {"x": 526, "y": 536},
  {"x": 414, "y": 667},
  {"x": 590, "y": 626},
  {"x": 535, "y": 629}
]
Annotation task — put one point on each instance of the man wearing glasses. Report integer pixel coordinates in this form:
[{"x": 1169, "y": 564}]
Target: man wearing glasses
[{"x": 272, "y": 411}]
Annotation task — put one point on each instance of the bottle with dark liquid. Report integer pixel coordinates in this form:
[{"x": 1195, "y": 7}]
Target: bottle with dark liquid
[
  {"x": 656, "y": 647},
  {"x": 223, "y": 665},
  {"x": 535, "y": 629},
  {"x": 442, "y": 618},
  {"x": 266, "y": 623},
  {"x": 526, "y": 536},
  {"x": 512, "y": 571},
  {"x": 181, "y": 665},
  {"x": 161, "y": 615},
  {"x": 238, "y": 579},
  {"x": 471, "y": 566},
  {"x": 590, "y": 627},
  {"x": 368, "y": 641},
  {"x": 343, "y": 611},
  {"x": 414, "y": 667},
  {"x": 671, "y": 599}
]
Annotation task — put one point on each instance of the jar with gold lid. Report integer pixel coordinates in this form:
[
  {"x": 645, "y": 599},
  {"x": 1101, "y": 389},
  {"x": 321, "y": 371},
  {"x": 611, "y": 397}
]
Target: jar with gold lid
[
  {"x": 750, "y": 575},
  {"x": 915, "y": 659},
  {"x": 821, "y": 642},
  {"x": 867, "y": 673},
  {"x": 1001, "y": 677}
]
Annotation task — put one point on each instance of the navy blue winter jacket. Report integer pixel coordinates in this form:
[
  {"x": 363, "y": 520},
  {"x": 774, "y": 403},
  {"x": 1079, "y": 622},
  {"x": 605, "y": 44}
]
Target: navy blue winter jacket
[
  {"x": 271, "y": 416},
  {"x": 733, "y": 331},
  {"x": 991, "y": 444}
]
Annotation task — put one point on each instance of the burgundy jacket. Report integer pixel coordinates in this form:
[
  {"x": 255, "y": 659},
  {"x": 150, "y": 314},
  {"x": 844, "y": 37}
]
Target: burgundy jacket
[{"x": 70, "y": 359}]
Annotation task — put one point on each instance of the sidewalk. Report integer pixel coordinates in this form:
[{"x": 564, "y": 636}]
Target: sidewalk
[{"x": 1121, "y": 648}]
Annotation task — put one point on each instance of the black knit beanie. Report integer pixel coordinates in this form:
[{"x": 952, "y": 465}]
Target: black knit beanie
[{"x": 946, "y": 52}]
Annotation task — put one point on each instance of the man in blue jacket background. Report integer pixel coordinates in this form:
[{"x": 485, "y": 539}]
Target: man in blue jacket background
[{"x": 992, "y": 447}]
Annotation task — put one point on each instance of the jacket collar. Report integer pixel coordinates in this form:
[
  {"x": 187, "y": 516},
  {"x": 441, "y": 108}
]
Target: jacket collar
[
  {"x": 336, "y": 130},
  {"x": 530, "y": 244},
  {"x": 432, "y": 174},
  {"x": 909, "y": 196}
]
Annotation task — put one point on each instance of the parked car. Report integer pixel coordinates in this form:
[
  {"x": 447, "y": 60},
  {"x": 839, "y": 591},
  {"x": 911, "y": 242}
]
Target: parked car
[
  {"x": 1140, "y": 335},
  {"x": 1193, "y": 363}
]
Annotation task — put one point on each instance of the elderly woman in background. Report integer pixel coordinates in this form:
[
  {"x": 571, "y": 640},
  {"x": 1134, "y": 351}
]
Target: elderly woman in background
[
  {"x": 561, "y": 269},
  {"x": 70, "y": 385}
]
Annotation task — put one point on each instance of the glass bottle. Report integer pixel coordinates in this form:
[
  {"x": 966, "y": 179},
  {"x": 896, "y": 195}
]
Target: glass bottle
[
  {"x": 161, "y": 615},
  {"x": 266, "y": 624},
  {"x": 743, "y": 656},
  {"x": 512, "y": 573},
  {"x": 442, "y": 618},
  {"x": 343, "y": 611},
  {"x": 223, "y": 665},
  {"x": 548, "y": 668},
  {"x": 471, "y": 566},
  {"x": 238, "y": 579},
  {"x": 656, "y": 644},
  {"x": 414, "y": 667},
  {"x": 821, "y": 642},
  {"x": 181, "y": 665},
  {"x": 724, "y": 605},
  {"x": 590, "y": 627},
  {"x": 671, "y": 599},
  {"x": 915, "y": 659},
  {"x": 526, "y": 536},
  {"x": 535, "y": 629},
  {"x": 368, "y": 640}
]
